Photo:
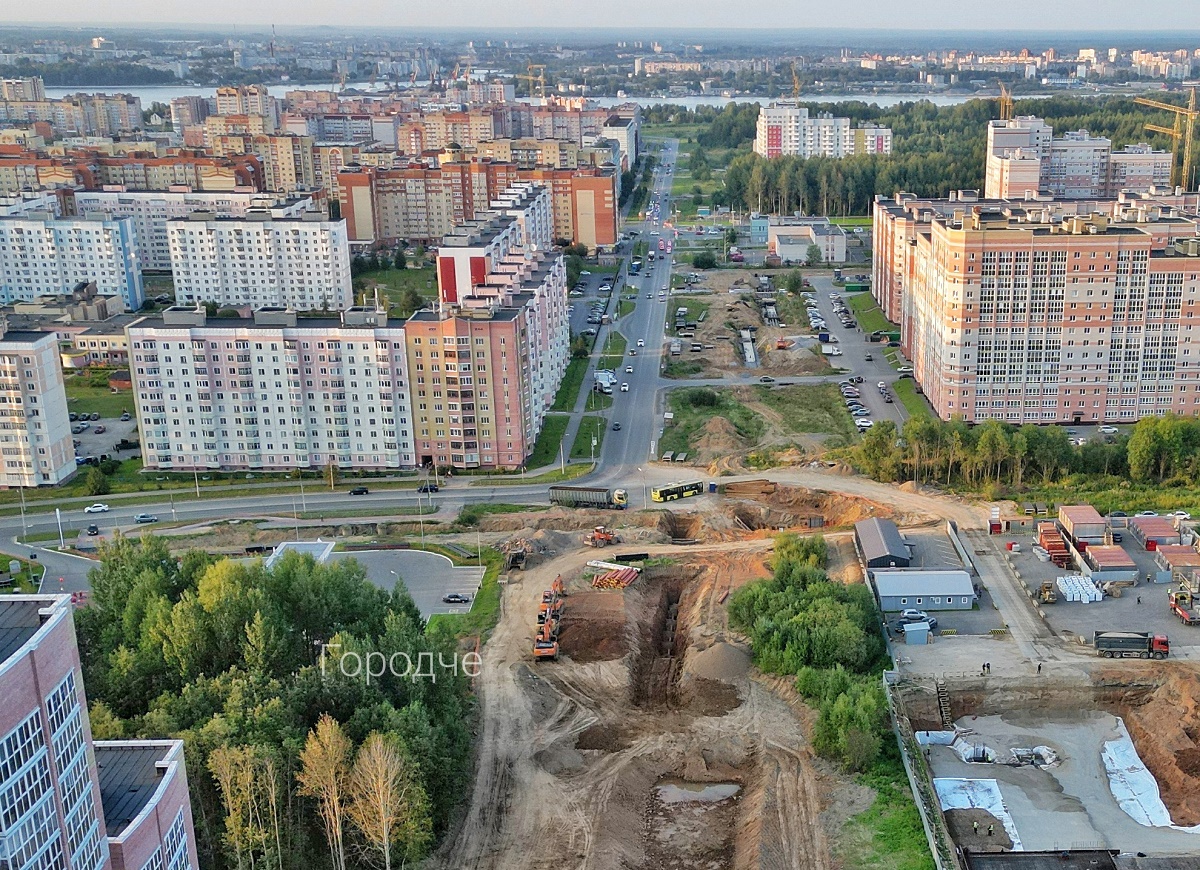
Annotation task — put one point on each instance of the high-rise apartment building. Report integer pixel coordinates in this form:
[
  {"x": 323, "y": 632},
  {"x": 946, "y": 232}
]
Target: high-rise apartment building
[
  {"x": 41, "y": 253},
  {"x": 271, "y": 392},
  {"x": 31, "y": 88},
  {"x": 787, "y": 130},
  {"x": 34, "y": 429},
  {"x": 31, "y": 170},
  {"x": 70, "y": 802},
  {"x": 247, "y": 100},
  {"x": 1046, "y": 312},
  {"x": 79, "y": 114},
  {"x": 1024, "y": 158},
  {"x": 261, "y": 261},
  {"x": 287, "y": 161},
  {"x": 151, "y": 210}
]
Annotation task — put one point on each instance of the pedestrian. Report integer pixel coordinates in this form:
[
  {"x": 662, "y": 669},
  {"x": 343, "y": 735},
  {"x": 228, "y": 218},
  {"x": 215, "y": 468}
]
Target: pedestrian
[
  {"x": 1139, "y": 599},
  {"x": 988, "y": 666},
  {"x": 990, "y": 829},
  {"x": 1039, "y": 668},
  {"x": 975, "y": 826}
]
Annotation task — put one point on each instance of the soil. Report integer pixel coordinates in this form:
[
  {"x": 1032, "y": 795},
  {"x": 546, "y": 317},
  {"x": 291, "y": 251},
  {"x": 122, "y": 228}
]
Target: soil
[
  {"x": 651, "y": 743},
  {"x": 961, "y": 824}
]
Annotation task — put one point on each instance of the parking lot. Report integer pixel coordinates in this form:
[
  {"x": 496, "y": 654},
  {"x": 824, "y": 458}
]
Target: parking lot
[
  {"x": 427, "y": 576},
  {"x": 92, "y": 443}
]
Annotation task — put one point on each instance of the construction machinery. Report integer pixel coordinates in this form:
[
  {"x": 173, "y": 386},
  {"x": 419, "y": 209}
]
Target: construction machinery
[
  {"x": 1182, "y": 133},
  {"x": 539, "y": 79},
  {"x": 1006, "y": 103},
  {"x": 557, "y": 587},
  {"x": 545, "y": 645},
  {"x": 601, "y": 536},
  {"x": 1131, "y": 644},
  {"x": 589, "y": 496},
  {"x": 1183, "y": 605},
  {"x": 550, "y": 608},
  {"x": 795, "y": 83},
  {"x": 1046, "y": 594}
]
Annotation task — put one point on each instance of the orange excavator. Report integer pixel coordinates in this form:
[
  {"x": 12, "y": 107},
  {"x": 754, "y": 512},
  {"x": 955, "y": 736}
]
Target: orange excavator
[
  {"x": 545, "y": 645},
  {"x": 601, "y": 537},
  {"x": 550, "y": 608},
  {"x": 557, "y": 587}
]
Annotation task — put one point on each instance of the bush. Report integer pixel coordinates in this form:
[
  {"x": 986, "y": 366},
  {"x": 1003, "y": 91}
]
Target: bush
[
  {"x": 704, "y": 260},
  {"x": 703, "y": 398}
]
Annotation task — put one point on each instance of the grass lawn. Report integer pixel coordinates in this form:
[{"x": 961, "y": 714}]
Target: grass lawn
[
  {"x": 906, "y": 393},
  {"x": 597, "y": 401},
  {"x": 888, "y": 836},
  {"x": 792, "y": 310},
  {"x": 682, "y": 184},
  {"x": 682, "y": 369},
  {"x": 694, "y": 305},
  {"x": 392, "y": 282},
  {"x": 545, "y": 449},
  {"x": 84, "y": 398},
  {"x": 471, "y": 513},
  {"x": 809, "y": 408},
  {"x": 613, "y": 355},
  {"x": 852, "y": 221},
  {"x": 590, "y": 425},
  {"x": 696, "y": 406},
  {"x": 625, "y": 307},
  {"x": 578, "y": 469},
  {"x": 568, "y": 390},
  {"x": 868, "y": 313}
]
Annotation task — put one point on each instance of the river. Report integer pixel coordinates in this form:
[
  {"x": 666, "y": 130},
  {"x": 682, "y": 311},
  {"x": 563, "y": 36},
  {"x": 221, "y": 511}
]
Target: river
[{"x": 164, "y": 94}]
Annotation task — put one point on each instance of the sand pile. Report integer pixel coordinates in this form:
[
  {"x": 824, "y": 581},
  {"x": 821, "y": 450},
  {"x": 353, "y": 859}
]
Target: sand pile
[
  {"x": 722, "y": 661},
  {"x": 718, "y": 438}
]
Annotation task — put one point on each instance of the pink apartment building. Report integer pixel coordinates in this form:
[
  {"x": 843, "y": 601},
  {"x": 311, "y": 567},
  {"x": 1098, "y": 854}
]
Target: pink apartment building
[{"x": 67, "y": 801}]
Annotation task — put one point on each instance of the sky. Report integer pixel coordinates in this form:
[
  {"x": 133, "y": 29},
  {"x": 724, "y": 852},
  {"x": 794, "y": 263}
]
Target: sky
[{"x": 1027, "y": 15}]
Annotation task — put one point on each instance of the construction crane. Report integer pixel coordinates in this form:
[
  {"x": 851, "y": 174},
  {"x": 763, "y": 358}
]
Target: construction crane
[
  {"x": 539, "y": 79},
  {"x": 795, "y": 83},
  {"x": 1182, "y": 133},
  {"x": 1006, "y": 103}
]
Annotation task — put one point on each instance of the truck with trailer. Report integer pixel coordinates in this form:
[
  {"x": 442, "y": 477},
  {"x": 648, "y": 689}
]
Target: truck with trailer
[
  {"x": 1183, "y": 605},
  {"x": 1131, "y": 644},
  {"x": 589, "y": 496}
]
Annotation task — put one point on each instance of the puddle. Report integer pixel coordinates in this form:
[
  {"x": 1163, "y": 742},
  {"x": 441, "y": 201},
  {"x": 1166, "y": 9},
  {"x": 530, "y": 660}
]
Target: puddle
[{"x": 683, "y": 792}]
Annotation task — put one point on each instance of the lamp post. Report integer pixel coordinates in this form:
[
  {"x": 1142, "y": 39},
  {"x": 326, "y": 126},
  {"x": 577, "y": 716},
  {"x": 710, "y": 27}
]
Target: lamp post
[
  {"x": 645, "y": 500},
  {"x": 24, "y": 527},
  {"x": 196, "y": 479}
]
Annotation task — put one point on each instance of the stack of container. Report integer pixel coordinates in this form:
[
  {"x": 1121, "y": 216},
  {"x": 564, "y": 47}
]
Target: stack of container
[{"x": 1052, "y": 542}]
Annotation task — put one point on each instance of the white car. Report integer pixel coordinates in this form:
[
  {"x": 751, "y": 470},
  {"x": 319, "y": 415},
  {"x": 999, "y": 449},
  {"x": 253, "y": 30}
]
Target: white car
[
  {"x": 1108, "y": 430},
  {"x": 1146, "y": 514},
  {"x": 882, "y": 385},
  {"x": 96, "y": 508},
  {"x": 624, "y": 388},
  {"x": 1183, "y": 515},
  {"x": 628, "y": 370},
  {"x": 864, "y": 423},
  {"x": 641, "y": 342}
]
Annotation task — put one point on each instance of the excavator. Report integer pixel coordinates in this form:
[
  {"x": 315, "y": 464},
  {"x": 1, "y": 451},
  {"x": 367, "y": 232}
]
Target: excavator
[
  {"x": 601, "y": 537},
  {"x": 545, "y": 645},
  {"x": 557, "y": 587},
  {"x": 550, "y": 608}
]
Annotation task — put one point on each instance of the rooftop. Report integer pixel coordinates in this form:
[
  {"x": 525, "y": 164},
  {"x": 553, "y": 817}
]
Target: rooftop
[
  {"x": 880, "y": 539},
  {"x": 893, "y": 582},
  {"x": 129, "y": 776},
  {"x": 1083, "y": 859},
  {"x": 20, "y": 619},
  {"x": 1179, "y": 556},
  {"x": 1080, "y": 513},
  {"x": 1110, "y": 557}
]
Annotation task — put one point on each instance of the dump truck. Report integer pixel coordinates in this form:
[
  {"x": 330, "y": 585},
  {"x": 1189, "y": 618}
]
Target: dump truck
[
  {"x": 601, "y": 536},
  {"x": 1183, "y": 605},
  {"x": 1131, "y": 644},
  {"x": 589, "y": 496}
]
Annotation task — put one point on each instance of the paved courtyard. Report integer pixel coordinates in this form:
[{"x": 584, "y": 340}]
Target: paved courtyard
[{"x": 428, "y": 576}]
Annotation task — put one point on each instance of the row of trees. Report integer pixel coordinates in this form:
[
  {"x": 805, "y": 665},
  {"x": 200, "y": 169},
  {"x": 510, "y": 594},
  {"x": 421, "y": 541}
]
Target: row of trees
[
  {"x": 936, "y": 149},
  {"x": 827, "y": 635},
  {"x": 227, "y": 656},
  {"x": 1160, "y": 450}
]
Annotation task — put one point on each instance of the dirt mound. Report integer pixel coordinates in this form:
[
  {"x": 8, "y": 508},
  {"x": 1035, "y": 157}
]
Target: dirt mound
[
  {"x": 962, "y": 828},
  {"x": 601, "y": 737},
  {"x": 718, "y": 438},
  {"x": 594, "y": 627},
  {"x": 1166, "y": 730},
  {"x": 722, "y": 661}
]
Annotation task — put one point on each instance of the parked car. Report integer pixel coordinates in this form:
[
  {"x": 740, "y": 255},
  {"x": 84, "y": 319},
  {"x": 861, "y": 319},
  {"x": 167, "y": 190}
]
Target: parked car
[
  {"x": 860, "y": 412},
  {"x": 359, "y": 490},
  {"x": 908, "y": 617},
  {"x": 125, "y": 417},
  {"x": 94, "y": 416},
  {"x": 93, "y": 530},
  {"x": 97, "y": 508},
  {"x": 1108, "y": 430},
  {"x": 904, "y": 369},
  {"x": 1182, "y": 515},
  {"x": 427, "y": 487},
  {"x": 766, "y": 379},
  {"x": 456, "y": 598},
  {"x": 616, "y": 427},
  {"x": 145, "y": 518},
  {"x": 72, "y": 416},
  {"x": 100, "y": 430},
  {"x": 1146, "y": 514},
  {"x": 1117, "y": 537}
]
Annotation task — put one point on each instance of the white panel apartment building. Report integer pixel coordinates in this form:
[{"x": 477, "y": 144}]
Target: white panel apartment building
[
  {"x": 264, "y": 262},
  {"x": 150, "y": 211},
  {"x": 41, "y": 254},
  {"x": 274, "y": 392},
  {"x": 35, "y": 434},
  {"x": 786, "y": 130}
]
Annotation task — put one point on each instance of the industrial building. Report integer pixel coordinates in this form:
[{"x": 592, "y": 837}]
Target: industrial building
[
  {"x": 923, "y": 589},
  {"x": 1083, "y": 523},
  {"x": 881, "y": 544}
]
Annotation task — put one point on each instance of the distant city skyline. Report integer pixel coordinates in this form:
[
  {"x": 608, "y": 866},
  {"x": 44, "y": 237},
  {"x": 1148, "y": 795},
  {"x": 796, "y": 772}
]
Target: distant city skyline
[{"x": 1075, "y": 16}]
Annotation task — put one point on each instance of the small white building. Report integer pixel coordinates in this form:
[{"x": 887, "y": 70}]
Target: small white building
[
  {"x": 923, "y": 589},
  {"x": 790, "y": 238}
]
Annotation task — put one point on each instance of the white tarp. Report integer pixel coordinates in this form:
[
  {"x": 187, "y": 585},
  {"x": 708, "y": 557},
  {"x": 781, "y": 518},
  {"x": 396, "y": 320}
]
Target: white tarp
[
  {"x": 1133, "y": 786},
  {"x": 936, "y": 738},
  {"x": 977, "y": 794}
]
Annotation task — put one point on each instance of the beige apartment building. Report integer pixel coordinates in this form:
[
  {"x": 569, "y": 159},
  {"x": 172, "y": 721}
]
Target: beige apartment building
[
  {"x": 35, "y": 434},
  {"x": 1028, "y": 316}
]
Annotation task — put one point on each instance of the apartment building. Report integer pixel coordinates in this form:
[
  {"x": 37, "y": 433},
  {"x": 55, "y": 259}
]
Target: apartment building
[
  {"x": 81, "y": 114},
  {"x": 422, "y": 203},
  {"x": 33, "y": 170},
  {"x": 34, "y": 429},
  {"x": 261, "y": 261},
  {"x": 246, "y": 100},
  {"x": 32, "y": 89},
  {"x": 287, "y": 161},
  {"x": 785, "y": 129},
  {"x": 273, "y": 391},
  {"x": 1024, "y": 158},
  {"x": 41, "y": 253},
  {"x": 150, "y": 212},
  {"x": 72, "y": 802},
  {"x": 1026, "y": 316}
]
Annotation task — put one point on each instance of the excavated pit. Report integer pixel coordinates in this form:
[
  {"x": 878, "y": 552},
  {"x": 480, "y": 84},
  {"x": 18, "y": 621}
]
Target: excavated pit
[
  {"x": 680, "y": 526},
  {"x": 655, "y": 669}
]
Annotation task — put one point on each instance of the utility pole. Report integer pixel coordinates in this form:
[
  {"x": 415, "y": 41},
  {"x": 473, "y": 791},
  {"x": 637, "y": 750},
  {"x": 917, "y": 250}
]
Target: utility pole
[
  {"x": 196, "y": 478},
  {"x": 62, "y": 544},
  {"x": 24, "y": 527}
]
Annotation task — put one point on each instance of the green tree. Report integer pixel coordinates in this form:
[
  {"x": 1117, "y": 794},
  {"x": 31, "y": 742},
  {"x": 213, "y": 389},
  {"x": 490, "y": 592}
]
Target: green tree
[
  {"x": 95, "y": 482},
  {"x": 794, "y": 282},
  {"x": 812, "y": 256},
  {"x": 704, "y": 260}
]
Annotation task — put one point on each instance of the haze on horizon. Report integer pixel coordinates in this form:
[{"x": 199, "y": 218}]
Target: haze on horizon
[{"x": 1079, "y": 16}]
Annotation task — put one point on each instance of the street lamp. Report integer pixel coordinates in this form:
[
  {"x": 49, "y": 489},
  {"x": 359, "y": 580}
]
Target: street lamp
[
  {"x": 645, "y": 500},
  {"x": 24, "y": 528}
]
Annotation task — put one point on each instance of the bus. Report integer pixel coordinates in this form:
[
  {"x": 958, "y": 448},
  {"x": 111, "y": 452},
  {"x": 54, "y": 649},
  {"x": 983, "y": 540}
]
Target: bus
[{"x": 672, "y": 491}]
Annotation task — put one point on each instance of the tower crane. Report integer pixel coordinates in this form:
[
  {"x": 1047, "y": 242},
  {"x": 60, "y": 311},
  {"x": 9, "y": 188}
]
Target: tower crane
[
  {"x": 539, "y": 79},
  {"x": 795, "y": 83},
  {"x": 1006, "y": 103},
  {"x": 1182, "y": 132}
]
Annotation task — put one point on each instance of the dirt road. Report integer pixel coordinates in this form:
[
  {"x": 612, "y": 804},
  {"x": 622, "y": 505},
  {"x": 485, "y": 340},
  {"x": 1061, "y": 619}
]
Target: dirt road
[{"x": 572, "y": 773}]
